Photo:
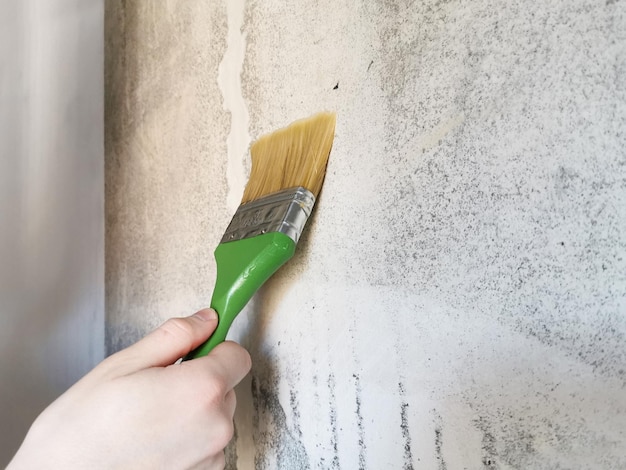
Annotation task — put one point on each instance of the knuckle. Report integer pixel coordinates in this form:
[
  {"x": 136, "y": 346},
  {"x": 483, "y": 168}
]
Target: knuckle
[
  {"x": 215, "y": 390},
  {"x": 177, "y": 328},
  {"x": 242, "y": 355},
  {"x": 232, "y": 398}
]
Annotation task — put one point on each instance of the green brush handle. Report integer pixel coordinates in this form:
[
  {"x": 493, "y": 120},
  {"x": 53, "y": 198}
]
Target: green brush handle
[{"x": 243, "y": 266}]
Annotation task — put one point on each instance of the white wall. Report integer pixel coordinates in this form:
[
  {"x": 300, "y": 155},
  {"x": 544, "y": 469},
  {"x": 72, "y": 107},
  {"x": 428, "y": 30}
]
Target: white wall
[
  {"x": 51, "y": 204},
  {"x": 459, "y": 299}
]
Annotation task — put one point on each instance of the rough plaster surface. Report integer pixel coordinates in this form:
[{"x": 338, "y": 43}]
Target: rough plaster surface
[{"x": 459, "y": 298}]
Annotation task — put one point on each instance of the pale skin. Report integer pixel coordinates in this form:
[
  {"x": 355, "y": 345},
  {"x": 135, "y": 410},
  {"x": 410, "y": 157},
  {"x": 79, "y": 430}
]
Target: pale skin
[{"x": 139, "y": 410}]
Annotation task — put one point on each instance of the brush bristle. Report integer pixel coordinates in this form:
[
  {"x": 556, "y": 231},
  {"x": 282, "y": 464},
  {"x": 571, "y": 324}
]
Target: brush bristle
[{"x": 293, "y": 156}]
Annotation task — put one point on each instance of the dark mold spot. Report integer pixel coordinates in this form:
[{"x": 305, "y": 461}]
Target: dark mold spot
[
  {"x": 359, "y": 421},
  {"x": 441, "y": 464},
  {"x": 488, "y": 445},
  {"x": 295, "y": 410},
  {"x": 333, "y": 420},
  {"x": 404, "y": 426},
  {"x": 271, "y": 433}
]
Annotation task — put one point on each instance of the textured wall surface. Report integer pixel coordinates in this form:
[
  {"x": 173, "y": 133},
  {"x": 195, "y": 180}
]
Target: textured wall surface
[
  {"x": 51, "y": 205},
  {"x": 459, "y": 298}
]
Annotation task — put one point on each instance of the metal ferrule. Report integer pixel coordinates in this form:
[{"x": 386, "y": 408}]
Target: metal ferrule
[{"x": 285, "y": 211}]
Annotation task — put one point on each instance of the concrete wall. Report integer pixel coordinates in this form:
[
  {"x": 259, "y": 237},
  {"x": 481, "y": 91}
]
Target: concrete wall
[
  {"x": 459, "y": 298},
  {"x": 51, "y": 205}
]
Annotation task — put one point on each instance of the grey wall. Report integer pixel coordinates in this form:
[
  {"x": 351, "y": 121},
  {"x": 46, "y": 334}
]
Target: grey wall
[
  {"x": 51, "y": 205},
  {"x": 459, "y": 299}
]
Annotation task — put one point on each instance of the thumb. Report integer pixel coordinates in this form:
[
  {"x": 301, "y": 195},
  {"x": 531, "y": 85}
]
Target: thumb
[{"x": 172, "y": 340}]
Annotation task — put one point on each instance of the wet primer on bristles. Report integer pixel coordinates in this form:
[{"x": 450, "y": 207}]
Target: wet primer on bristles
[{"x": 293, "y": 156}]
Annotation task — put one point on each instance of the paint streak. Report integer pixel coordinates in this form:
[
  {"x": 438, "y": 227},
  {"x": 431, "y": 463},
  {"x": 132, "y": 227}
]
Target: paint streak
[
  {"x": 404, "y": 426},
  {"x": 229, "y": 81},
  {"x": 359, "y": 421}
]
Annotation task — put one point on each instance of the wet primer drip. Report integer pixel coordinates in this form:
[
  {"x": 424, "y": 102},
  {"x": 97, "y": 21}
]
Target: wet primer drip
[
  {"x": 404, "y": 426},
  {"x": 229, "y": 81}
]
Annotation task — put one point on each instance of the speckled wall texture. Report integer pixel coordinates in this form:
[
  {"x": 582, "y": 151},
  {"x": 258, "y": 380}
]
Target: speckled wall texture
[{"x": 459, "y": 298}]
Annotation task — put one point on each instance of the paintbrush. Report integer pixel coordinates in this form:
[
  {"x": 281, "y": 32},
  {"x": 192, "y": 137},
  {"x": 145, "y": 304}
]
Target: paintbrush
[{"x": 288, "y": 169}]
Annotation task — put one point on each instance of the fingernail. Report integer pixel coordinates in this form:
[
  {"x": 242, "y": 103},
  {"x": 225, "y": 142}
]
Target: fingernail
[{"x": 206, "y": 314}]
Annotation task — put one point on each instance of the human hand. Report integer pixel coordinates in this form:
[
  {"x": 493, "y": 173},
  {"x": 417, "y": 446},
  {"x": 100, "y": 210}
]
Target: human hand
[{"x": 137, "y": 409}]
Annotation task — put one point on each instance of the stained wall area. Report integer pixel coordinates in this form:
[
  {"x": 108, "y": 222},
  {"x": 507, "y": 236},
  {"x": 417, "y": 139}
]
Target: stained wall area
[
  {"x": 458, "y": 300},
  {"x": 51, "y": 205}
]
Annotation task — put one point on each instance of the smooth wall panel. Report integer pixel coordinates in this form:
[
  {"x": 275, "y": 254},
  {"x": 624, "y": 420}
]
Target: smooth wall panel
[
  {"x": 459, "y": 298},
  {"x": 51, "y": 205}
]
